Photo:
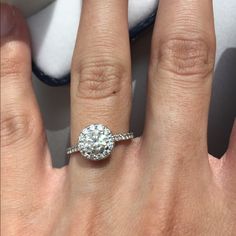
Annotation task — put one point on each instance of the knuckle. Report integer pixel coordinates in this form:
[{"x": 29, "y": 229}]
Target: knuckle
[
  {"x": 16, "y": 128},
  {"x": 100, "y": 80},
  {"x": 10, "y": 66},
  {"x": 186, "y": 57}
]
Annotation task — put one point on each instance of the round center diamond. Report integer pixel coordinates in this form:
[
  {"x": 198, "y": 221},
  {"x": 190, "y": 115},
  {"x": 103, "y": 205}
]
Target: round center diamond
[{"x": 96, "y": 142}]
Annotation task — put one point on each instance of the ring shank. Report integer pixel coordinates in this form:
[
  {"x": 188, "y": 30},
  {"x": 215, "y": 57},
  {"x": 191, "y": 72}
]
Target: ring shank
[
  {"x": 123, "y": 137},
  {"x": 72, "y": 149}
]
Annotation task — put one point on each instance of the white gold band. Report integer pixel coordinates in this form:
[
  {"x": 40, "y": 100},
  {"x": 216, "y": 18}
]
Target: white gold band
[{"x": 123, "y": 137}]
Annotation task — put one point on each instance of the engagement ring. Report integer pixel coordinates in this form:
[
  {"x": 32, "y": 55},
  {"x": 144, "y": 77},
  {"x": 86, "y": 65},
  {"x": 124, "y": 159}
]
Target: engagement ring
[{"x": 96, "y": 142}]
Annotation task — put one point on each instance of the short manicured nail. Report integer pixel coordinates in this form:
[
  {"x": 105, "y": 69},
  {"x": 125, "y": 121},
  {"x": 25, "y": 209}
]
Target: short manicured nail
[{"x": 8, "y": 22}]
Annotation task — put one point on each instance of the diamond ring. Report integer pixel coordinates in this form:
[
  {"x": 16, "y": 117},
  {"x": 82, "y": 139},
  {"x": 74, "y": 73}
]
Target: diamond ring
[{"x": 96, "y": 142}]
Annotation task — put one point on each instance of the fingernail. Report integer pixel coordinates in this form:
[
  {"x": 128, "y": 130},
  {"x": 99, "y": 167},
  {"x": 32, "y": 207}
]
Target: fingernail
[{"x": 8, "y": 22}]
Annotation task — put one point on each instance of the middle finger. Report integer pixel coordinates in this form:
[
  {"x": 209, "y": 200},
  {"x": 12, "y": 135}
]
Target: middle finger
[{"x": 182, "y": 62}]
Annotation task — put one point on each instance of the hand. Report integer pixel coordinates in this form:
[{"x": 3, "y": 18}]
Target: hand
[{"x": 163, "y": 183}]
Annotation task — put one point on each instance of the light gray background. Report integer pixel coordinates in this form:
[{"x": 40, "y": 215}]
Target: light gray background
[{"x": 55, "y": 102}]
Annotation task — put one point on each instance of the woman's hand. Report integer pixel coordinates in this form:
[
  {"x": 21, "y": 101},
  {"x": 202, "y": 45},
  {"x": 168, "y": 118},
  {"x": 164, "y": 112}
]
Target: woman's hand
[{"x": 163, "y": 183}]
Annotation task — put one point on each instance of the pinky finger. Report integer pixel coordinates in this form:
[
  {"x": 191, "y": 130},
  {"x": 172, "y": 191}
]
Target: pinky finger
[{"x": 22, "y": 134}]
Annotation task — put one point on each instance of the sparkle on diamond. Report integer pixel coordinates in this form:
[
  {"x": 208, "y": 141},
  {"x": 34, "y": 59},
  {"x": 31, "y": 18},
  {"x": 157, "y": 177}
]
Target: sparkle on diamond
[{"x": 96, "y": 142}]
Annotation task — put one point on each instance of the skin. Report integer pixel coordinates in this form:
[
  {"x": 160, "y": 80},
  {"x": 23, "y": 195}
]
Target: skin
[{"x": 163, "y": 183}]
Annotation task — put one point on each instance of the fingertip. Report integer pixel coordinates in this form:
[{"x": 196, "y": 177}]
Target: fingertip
[
  {"x": 15, "y": 44},
  {"x": 13, "y": 25},
  {"x": 8, "y": 21}
]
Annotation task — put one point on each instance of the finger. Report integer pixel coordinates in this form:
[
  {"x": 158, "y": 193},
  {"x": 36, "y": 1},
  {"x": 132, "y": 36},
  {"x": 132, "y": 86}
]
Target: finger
[
  {"x": 182, "y": 61},
  {"x": 229, "y": 161},
  {"x": 22, "y": 136},
  {"x": 101, "y": 80},
  {"x": 231, "y": 152},
  {"x": 225, "y": 168}
]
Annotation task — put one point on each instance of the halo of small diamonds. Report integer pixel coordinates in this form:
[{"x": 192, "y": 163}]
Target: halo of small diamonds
[{"x": 96, "y": 142}]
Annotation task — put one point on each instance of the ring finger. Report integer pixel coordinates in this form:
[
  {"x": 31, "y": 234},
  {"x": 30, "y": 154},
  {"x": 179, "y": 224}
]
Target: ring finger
[{"x": 101, "y": 73}]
